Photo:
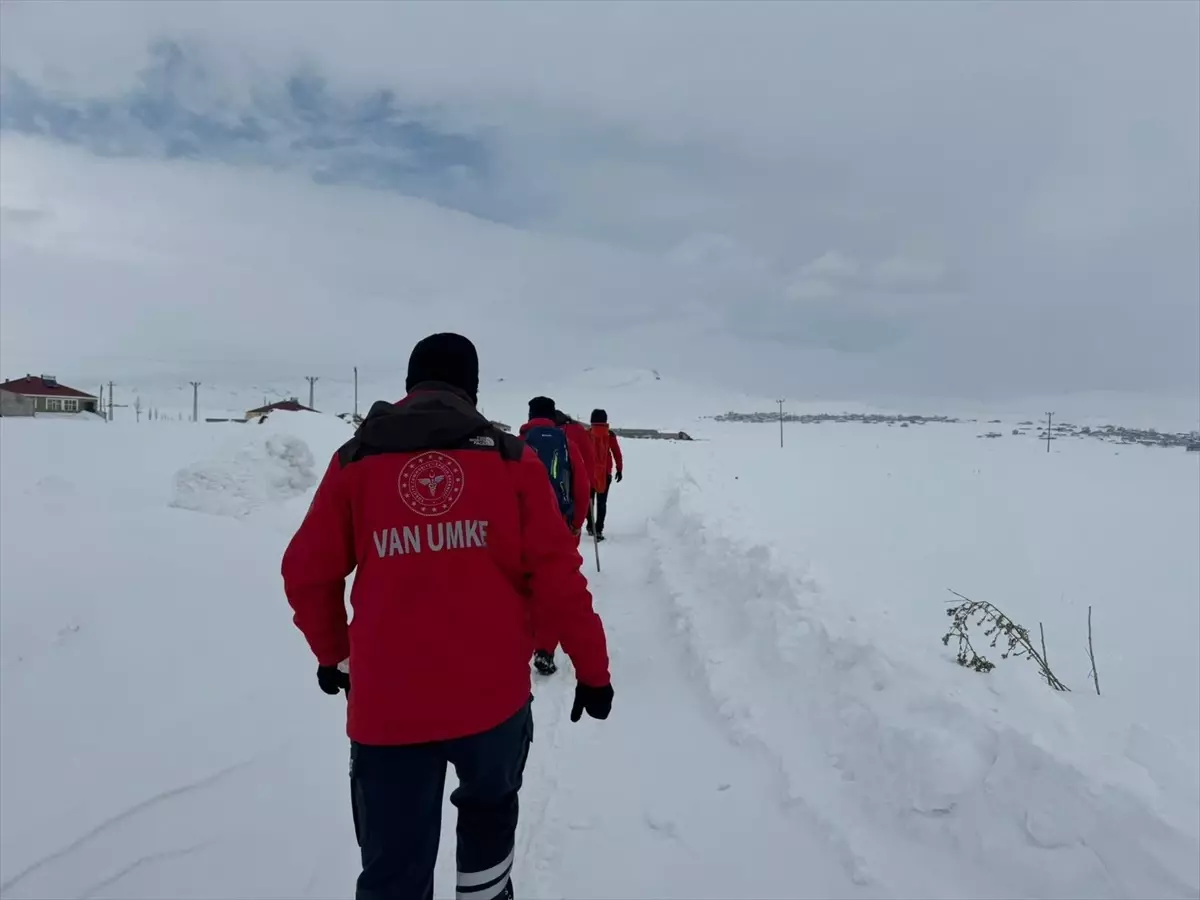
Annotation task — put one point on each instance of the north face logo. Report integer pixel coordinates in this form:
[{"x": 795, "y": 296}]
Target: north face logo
[{"x": 483, "y": 441}]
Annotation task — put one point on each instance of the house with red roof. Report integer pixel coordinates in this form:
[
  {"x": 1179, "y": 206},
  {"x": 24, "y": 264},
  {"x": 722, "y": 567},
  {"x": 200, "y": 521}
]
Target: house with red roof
[
  {"x": 46, "y": 394},
  {"x": 290, "y": 405}
]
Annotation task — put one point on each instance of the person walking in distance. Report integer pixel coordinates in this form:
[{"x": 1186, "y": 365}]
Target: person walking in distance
[
  {"x": 458, "y": 543},
  {"x": 608, "y": 455},
  {"x": 564, "y": 461},
  {"x": 577, "y": 432},
  {"x": 571, "y": 481}
]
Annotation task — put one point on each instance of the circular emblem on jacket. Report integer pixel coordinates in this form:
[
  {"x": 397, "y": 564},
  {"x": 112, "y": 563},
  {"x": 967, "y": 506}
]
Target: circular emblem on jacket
[{"x": 431, "y": 483}]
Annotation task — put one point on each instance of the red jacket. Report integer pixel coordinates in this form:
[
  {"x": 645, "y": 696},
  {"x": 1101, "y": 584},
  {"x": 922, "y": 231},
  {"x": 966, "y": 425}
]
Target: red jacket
[
  {"x": 608, "y": 452},
  {"x": 579, "y": 434},
  {"x": 455, "y": 533},
  {"x": 581, "y": 482}
]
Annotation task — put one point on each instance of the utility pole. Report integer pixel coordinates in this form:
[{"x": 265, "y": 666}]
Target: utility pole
[
  {"x": 100, "y": 406},
  {"x": 312, "y": 379},
  {"x": 780, "y": 402},
  {"x": 1049, "y": 425},
  {"x": 137, "y": 407},
  {"x": 355, "y": 393},
  {"x": 111, "y": 404},
  {"x": 195, "y": 400}
]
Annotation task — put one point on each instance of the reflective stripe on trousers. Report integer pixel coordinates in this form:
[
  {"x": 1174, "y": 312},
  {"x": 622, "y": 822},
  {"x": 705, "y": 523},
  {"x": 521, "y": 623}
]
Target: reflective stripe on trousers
[{"x": 487, "y": 884}]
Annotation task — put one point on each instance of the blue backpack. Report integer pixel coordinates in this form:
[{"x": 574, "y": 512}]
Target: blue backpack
[{"x": 550, "y": 444}]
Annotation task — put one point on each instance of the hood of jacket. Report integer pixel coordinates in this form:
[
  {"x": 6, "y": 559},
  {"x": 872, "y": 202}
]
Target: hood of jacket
[
  {"x": 433, "y": 415},
  {"x": 536, "y": 423}
]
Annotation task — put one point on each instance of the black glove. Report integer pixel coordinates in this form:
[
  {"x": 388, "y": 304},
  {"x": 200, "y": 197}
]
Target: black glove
[
  {"x": 596, "y": 700},
  {"x": 332, "y": 679},
  {"x": 619, "y": 475}
]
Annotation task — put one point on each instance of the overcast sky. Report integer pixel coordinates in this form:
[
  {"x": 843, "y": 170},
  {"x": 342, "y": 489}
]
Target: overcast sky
[{"x": 846, "y": 200}]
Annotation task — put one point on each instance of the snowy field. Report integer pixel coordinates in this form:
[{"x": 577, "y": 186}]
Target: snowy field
[{"x": 787, "y": 721}]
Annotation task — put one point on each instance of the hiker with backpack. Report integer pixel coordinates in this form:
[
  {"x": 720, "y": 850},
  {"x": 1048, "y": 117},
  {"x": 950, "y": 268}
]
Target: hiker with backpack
[
  {"x": 568, "y": 475},
  {"x": 563, "y": 459},
  {"x": 577, "y": 432},
  {"x": 608, "y": 454}
]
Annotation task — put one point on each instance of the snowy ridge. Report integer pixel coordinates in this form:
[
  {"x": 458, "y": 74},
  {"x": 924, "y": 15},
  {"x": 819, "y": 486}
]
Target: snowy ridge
[{"x": 912, "y": 767}]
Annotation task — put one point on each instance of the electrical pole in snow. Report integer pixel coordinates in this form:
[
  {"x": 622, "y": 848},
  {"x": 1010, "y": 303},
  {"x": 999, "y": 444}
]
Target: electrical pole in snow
[
  {"x": 356, "y": 393},
  {"x": 312, "y": 379},
  {"x": 195, "y": 400},
  {"x": 112, "y": 405},
  {"x": 780, "y": 402},
  {"x": 1049, "y": 424}
]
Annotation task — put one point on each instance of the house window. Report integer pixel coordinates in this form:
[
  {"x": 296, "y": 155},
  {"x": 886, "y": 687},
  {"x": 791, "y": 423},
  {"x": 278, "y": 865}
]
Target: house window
[
  {"x": 70, "y": 405},
  {"x": 54, "y": 404}
]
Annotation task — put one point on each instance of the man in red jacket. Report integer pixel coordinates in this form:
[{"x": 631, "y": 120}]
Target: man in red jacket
[
  {"x": 458, "y": 544},
  {"x": 542, "y": 414},
  {"x": 608, "y": 453},
  {"x": 542, "y": 431},
  {"x": 578, "y": 433}
]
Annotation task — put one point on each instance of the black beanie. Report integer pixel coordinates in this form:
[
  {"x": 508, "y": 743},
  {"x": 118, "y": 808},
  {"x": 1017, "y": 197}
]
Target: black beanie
[
  {"x": 599, "y": 417},
  {"x": 541, "y": 408},
  {"x": 445, "y": 357}
]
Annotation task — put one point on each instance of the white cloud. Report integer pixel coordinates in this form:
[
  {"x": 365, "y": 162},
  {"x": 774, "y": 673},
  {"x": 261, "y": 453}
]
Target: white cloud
[
  {"x": 836, "y": 274},
  {"x": 903, "y": 272},
  {"x": 834, "y": 265},
  {"x": 947, "y": 173}
]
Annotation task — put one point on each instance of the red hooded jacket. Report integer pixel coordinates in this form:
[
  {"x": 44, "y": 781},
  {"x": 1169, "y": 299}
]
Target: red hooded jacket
[
  {"x": 454, "y": 531},
  {"x": 608, "y": 451},
  {"x": 581, "y": 483},
  {"x": 579, "y": 434}
]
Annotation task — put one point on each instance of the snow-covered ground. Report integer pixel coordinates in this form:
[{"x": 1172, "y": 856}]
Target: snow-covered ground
[{"x": 787, "y": 721}]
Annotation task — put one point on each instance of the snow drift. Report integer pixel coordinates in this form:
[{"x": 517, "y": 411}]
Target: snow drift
[
  {"x": 266, "y": 469},
  {"x": 911, "y": 766}
]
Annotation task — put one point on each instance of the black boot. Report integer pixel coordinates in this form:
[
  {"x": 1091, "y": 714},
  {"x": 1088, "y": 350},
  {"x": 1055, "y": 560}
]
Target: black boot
[{"x": 543, "y": 661}]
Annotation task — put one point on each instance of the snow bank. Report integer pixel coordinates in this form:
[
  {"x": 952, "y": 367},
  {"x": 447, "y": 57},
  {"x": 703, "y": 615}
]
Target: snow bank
[
  {"x": 933, "y": 781},
  {"x": 273, "y": 468},
  {"x": 261, "y": 467}
]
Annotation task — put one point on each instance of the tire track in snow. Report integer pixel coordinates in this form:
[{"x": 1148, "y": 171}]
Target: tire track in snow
[
  {"x": 728, "y": 720},
  {"x": 120, "y": 818},
  {"x": 537, "y": 844},
  {"x": 148, "y": 859},
  {"x": 662, "y": 791}
]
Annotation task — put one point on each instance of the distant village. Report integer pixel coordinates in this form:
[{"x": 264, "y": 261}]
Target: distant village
[
  {"x": 1116, "y": 434},
  {"x": 819, "y": 418},
  {"x": 45, "y": 396}
]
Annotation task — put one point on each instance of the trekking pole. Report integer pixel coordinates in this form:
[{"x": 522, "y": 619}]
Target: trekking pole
[{"x": 595, "y": 534}]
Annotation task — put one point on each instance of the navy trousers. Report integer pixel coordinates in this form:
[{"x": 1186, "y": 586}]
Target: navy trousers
[
  {"x": 396, "y": 796},
  {"x": 601, "y": 505}
]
